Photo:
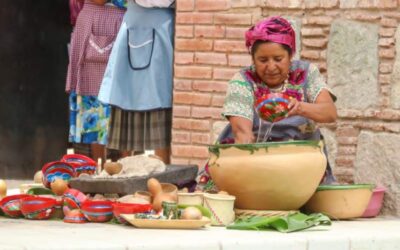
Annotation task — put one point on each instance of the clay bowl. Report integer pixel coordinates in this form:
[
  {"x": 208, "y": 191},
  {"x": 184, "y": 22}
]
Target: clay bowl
[
  {"x": 129, "y": 208},
  {"x": 57, "y": 169},
  {"x": 37, "y": 208},
  {"x": 73, "y": 199},
  {"x": 80, "y": 163},
  {"x": 268, "y": 176},
  {"x": 97, "y": 211},
  {"x": 272, "y": 107},
  {"x": 11, "y": 205},
  {"x": 340, "y": 201}
]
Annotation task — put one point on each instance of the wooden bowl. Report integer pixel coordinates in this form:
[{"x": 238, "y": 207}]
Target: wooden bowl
[
  {"x": 340, "y": 201},
  {"x": 268, "y": 176}
]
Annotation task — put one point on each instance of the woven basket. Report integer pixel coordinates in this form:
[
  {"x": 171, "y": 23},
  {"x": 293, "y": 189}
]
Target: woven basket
[{"x": 262, "y": 213}]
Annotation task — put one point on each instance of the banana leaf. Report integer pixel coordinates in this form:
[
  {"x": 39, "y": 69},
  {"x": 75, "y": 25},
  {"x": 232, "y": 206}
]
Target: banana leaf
[{"x": 285, "y": 223}]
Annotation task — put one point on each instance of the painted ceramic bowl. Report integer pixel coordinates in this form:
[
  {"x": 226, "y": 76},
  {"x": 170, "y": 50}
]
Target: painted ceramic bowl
[
  {"x": 11, "y": 205},
  {"x": 129, "y": 208},
  {"x": 268, "y": 176},
  {"x": 75, "y": 216},
  {"x": 57, "y": 169},
  {"x": 80, "y": 163},
  {"x": 272, "y": 107},
  {"x": 340, "y": 201},
  {"x": 375, "y": 203},
  {"x": 37, "y": 208},
  {"x": 97, "y": 211},
  {"x": 73, "y": 199}
]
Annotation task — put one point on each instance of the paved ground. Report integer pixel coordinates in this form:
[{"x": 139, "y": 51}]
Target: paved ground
[{"x": 381, "y": 233}]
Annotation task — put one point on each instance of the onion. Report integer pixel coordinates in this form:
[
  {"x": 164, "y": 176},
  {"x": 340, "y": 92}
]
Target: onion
[{"x": 191, "y": 213}]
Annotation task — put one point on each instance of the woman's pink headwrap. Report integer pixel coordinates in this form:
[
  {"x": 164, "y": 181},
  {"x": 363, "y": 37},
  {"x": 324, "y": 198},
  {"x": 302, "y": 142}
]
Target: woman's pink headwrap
[{"x": 275, "y": 29}]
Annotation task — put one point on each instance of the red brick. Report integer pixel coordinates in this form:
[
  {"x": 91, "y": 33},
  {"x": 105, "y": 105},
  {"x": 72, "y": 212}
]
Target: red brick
[
  {"x": 199, "y": 162},
  {"x": 181, "y": 123},
  {"x": 184, "y": 31},
  {"x": 387, "y": 32},
  {"x": 217, "y": 31},
  {"x": 312, "y": 32},
  {"x": 181, "y": 111},
  {"x": 224, "y": 73},
  {"x": 347, "y": 150},
  {"x": 200, "y": 125},
  {"x": 310, "y": 54},
  {"x": 363, "y": 16},
  {"x": 210, "y": 86},
  {"x": 179, "y": 161},
  {"x": 184, "y": 5},
  {"x": 189, "y": 151},
  {"x": 210, "y": 58},
  {"x": 201, "y": 138},
  {"x": 389, "y": 22},
  {"x": 345, "y": 160},
  {"x": 194, "y": 18},
  {"x": 239, "y": 3},
  {"x": 180, "y": 137},
  {"x": 193, "y": 72},
  {"x": 385, "y": 68},
  {"x": 184, "y": 57},
  {"x": 201, "y": 99},
  {"x": 217, "y": 101},
  {"x": 315, "y": 42},
  {"x": 318, "y": 20},
  {"x": 183, "y": 98},
  {"x": 181, "y": 84},
  {"x": 212, "y": 5},
  {"x": 241, "y": 60},
  {"x": 386, "y": 42},
  {"x": 349, "y": 113},
  {"x": 232, "y": 19},
  {"x": 387, "y": 53},
  {"x": 275, "y": 3},
  {"x": 347, "y": 140},
  {"x": 229, "y": 46},
  {"x": 235, "y": 32},
  {"x": 388, "y": 114},
  {"x": 206, "y": 112},
  {"x": 193, "y": 44},
  {"x": 347, "y": 132}
]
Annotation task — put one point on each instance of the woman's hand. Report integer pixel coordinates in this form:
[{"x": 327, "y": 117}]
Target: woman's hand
[{"x": 295, "y": 107}]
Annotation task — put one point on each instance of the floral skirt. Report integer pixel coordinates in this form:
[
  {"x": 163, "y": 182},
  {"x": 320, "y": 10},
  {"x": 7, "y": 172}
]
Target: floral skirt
[{"x": 89, "y": 119}]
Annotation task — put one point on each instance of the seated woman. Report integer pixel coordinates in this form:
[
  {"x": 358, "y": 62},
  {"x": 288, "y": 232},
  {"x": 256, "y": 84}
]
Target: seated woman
[{"x": 271, "y": 43}]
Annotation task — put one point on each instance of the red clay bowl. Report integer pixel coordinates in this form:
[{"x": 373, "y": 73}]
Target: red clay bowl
[
  {"x": 73, "y": 199},
  {"x": 11, "y": 205},
  {"x": 57, "y": 169},
  {"x": 75, "y": 216},
  {"x": 129, "y": 208},
  {"x": 37, "y": 208},
  {"x": 81, "y": 163},
  {"x": 97, "y": 211},
  {"x": 272, "y": 107}
]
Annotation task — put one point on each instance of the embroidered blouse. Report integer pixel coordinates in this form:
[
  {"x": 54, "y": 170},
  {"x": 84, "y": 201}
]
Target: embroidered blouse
[{"x": 245, "y": 86}]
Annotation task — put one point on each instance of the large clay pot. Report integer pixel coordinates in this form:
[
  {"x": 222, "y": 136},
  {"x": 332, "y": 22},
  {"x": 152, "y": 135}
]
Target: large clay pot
[{"x": 268, "y": 176}]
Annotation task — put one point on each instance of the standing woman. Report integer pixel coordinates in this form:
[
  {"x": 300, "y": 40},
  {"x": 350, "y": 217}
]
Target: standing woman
[
  {"x": 91, "y": 43},
  {"x": 138, "y": 79}
]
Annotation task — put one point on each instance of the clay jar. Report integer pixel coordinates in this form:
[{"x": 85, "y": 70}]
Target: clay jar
[{"x": 161, "y": 192}]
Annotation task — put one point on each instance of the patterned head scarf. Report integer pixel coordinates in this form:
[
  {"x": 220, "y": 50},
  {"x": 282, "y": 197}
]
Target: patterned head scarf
[{"x": 275, "y": 29}]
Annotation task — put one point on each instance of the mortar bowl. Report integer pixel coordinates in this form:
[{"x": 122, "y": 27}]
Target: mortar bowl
[{"x": 268, "y": 176}]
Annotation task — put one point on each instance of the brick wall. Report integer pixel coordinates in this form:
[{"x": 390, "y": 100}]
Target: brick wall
[{"x": 210, "y": 48}]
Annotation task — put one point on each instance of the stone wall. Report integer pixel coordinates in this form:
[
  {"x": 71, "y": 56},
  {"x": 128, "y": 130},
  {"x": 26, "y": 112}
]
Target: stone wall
[{"x": 352, "y": 41}]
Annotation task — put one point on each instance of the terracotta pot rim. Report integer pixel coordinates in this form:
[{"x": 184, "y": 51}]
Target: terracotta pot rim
[
  {"x": 345, "y": 187},
  {"x": 312, "y": 143}
]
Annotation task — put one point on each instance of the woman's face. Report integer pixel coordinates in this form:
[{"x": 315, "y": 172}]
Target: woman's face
[{"x": 272, "y": 63}]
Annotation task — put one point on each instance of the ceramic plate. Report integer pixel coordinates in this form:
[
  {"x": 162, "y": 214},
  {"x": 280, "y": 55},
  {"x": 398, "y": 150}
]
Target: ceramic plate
[{"x": 166, "y": 224}]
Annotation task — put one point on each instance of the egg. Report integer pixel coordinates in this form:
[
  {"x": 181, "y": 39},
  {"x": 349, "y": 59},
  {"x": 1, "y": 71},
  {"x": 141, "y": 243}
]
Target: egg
[
  {"x": 112, "y": 167},
  {"x": 37, "y": 178},
  {"x": 59, "y": 186},
  {"x": 3, "y": 188},
  {"x": 191, "y": 213}
]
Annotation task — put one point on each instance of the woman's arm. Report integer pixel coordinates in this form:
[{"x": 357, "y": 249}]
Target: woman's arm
[
  {"x": 322, "y": 110},
  {"x": 242, "y": 129}
]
